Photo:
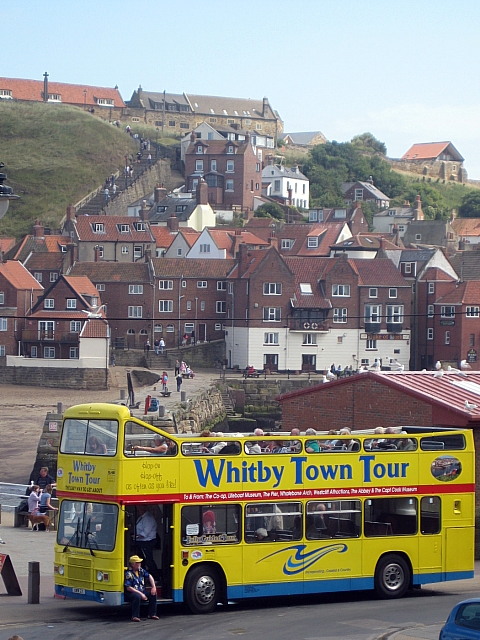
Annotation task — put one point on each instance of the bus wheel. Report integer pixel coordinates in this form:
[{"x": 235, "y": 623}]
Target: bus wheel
[
  {"x": 202, "y": 589},
  {"x": 392, "y": 577}
]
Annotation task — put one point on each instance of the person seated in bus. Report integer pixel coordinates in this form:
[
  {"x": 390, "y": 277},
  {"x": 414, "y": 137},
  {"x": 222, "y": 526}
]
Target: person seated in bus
[
  {"x": 159, "y": 448},
  {"x": 261, "y": 535},
  {"x": 95, "y": 446},
  {"x": 253, "y": 448},
  {"x": 405, "y": 444},
  {"x": 297, "y": 528},
  {"x": 317, "y": 512},
  {"x": 137, "y": 591},
  {"x": 171, "y": 447},
  {"x": 208, "y": 520},
  {"x": 255, "y": 519},
  {"x": 312, "y": 532},
  {"x": 311, "y": 446}
]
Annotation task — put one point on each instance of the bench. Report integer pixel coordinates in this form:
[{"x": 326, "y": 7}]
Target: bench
[
  {"x": 255, "y": 374},
  {"x": 166, "y": 394}
]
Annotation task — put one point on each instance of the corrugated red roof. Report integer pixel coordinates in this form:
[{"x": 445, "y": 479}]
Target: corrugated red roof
[
  {"x": 467, "y": 226},
  {"x": 18, "y": 276},
  {"x": 466, "y": 293},
  {"x": 82, "y": 285},
  {"x": 435, "y": 274},
  {"x": 380, "y": 272},
  {"x": 450, "y": 391},
  {"x": 428, "y": 151},
  {"x": 132, "y": 272},
  {"x": 6, "y": 244},
  {"x": 95, "y": 328},
  {"x": 78, "y": 94},
  {"x": 191, "y": 268}
]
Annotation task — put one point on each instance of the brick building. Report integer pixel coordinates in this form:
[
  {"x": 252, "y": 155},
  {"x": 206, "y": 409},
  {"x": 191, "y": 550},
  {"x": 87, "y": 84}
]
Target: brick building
[{"x": 230, "y": 168}]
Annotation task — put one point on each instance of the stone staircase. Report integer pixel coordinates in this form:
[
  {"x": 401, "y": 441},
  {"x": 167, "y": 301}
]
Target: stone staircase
[
  {"x": 159, "y": 363},
  {"x": 228, "y": 402}
]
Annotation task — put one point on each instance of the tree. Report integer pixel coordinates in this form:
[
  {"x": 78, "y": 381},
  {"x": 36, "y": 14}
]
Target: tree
[
  {"x": 270, "y": 210},
  {"x": 369, "y": 144},
  {"x": 470, "y": 207}
]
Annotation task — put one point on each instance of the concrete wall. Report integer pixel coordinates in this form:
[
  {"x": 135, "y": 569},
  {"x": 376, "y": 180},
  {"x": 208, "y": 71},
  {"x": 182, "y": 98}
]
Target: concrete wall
[{"x": 55, "y": 378}]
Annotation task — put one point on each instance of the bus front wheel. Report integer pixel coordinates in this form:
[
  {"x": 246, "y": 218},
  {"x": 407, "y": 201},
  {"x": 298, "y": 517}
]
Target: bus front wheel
[
  {"x": 202, "y": 589},
  {"x": 392, "y": 577}
]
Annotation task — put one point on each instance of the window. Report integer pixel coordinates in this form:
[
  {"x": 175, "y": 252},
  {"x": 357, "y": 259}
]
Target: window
[
  {"x": 407, "y": 267},
  {"x": 212, "y": 524},
  {"x": 53, "y": 276},
  {"x": 341, "y": 290},
  {"x": 184, "y": 284},
  {"x": 49, "y": 303},
  {"x": 165, "y": 305},
  {"x": 272, "y": 314},
  {"x": 276, "y": 185},
  {"x": 124, "y": 250},
  {"x": 392, "y": 293},
  {"x": 390, "y": 516},
  {"x": 143, "y": 332},
  {"x": 49, "y": 352},
  {"x": 5, "y": 93},
  {"x": 230, "y": 149},
  {"x": 229, "y": 185},
  {"x": 218, "y": 326},
  {"x": 418, "y": 236},
  {"x": 371, "y": 345},
  {"x": 105, "y": 102},
  {"x": 179, "y": 252},
  {"x": 270, "y": 338},
  {"x": 430, "y": 334},
  {"x": 198, "y": 165},
  {"x": 165, "y": 284},
  {"x": 189, "y": 305},
  {"x": 199, "y": 149},
  {"x": 431, "y": 287},
  {"x": 309, "y": 338},
  {"x": 38, "y": 276},
  {"x": 312, "y": 243},
  {"x": 170, "y": 328},
  {"x": 2, "y": 297},
  {"x": 71, "y": 303},
  {"x": 340, "y": 315},
  {"x": 171, "y": 123},
  {"x": 158, "y": 328},
  {"x": 258, "y": 126},
  {"x": 73, "y": 353},
  {"x": 395, "y": 313},
  {"x": 372, "y": 313},
  {"x": 33, "y": 352},
  {"x": 54, "y": 97},
  {"x": 137, "y": 252},
  {"x": 213, "y": 165},
  {"x": 431, "y": 311},
  {"x": 230, "y": 166},
  {"x": 135, "y": 312},
  {"x": 3, "y": 324},
  {"x": 202, "y": 305},
  {"x": 189, "y": 327},
  {"x": 221, "y": 306},
  {"x": 98, "y": 227},
  {"x": 306, "y": 289},
  {"x": 276, "y": 518},
  {"x": 221, "y": 285},
  {"x": 201, "y": 284},
  {"x": 447, "y": 312},
  {"x": 135, "y": 289},
  {"x": 447, "y": 337},
  {"x": 123, "y": 228},
  {"x": 75, "y": 326},
  {"x": 184, "y": 125},
  {"x": 205, "y": 248},
  {"x": 130, "y": 332},
  {"x": 373, "y": 293},
  {"x": 100, "y": 250},
  {"x": 473, "y": 312},
  {"x": 333, "y": 519},
  {"x": 358, "y": 194},
  {"x": 257, "y": 167},
  {"x": 272, "y": 288}
]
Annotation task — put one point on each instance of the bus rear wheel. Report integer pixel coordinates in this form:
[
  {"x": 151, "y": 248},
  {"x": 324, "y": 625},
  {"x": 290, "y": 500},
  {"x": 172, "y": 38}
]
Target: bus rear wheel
[
  {"x": 392, "y": 577},
  {"x": 202, "y": 589}
]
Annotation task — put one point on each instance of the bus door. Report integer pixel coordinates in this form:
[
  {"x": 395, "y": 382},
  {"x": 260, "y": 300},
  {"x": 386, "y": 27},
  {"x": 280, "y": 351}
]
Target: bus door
[
  {"x": 430, "y": 539},
  {"x": 148, "y": 534},
  {"x": 272, "y": 559}
]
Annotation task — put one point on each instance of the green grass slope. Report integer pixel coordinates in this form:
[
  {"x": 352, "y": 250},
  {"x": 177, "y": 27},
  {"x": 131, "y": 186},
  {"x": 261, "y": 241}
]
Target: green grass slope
[{"x": 54, "y": 155}]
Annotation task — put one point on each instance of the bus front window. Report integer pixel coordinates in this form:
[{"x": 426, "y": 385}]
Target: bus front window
[
  {"x": 87, "y": 525},
  {"x": 90, "y": 437}
]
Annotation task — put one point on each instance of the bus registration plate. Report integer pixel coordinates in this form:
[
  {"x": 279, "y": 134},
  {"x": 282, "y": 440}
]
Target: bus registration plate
[{"x": 80, "y": 591}]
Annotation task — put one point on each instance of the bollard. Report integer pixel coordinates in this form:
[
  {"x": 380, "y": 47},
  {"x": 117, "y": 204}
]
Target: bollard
[
  {"x": 33, "y": 583},
  {"x": 60, "y": 408},
  {"x": 183, "y": 396},
  {"x": 161, "y": 411},
  {"x": 123, "y": 394}
]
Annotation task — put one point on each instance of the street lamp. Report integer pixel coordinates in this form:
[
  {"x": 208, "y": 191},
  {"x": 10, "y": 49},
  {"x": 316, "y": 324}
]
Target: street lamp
[
  {"x": 126, "y": 175},
  {"x": 179, "y": 317},
  {"x": 195, "y": 325},
  {"x": 6, "y": 193},
  {"x": 156, "y": 145}
]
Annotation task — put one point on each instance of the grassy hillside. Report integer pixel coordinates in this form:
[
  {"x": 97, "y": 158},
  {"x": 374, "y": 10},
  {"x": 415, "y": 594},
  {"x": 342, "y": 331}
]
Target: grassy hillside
[{"x": 54, "y": 155}]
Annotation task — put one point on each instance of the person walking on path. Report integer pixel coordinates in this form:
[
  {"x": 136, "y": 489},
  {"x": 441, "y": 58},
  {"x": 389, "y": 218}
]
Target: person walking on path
[
  {"x": 114, "y": 189},
  {"x": 164, "y": 381},
  {"x": 137, "y": 591},
  {"x": 149, "y": 159},
  {"x": 162, "y": 345},
  {"x": 177, "y": 367},
  {"x": 147, "y": 346},
  {"x": 156, "y": 346},
  {"x": 179, "y": 382},
  {"x": 107, "y": 195}
]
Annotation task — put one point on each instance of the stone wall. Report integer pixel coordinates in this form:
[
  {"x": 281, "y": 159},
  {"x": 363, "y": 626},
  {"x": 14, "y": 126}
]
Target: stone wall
[
  {"x": 56, "y": 378},
  {"x": 260, "y": 393},
  {"x": 205, "y": 355},
  {"x": 442, "y": 169},
  {"x": 48, "y": 444}
]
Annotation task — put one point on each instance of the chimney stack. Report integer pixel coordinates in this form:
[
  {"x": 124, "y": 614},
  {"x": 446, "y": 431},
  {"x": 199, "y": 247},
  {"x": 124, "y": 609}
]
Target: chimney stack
[
  {"x": 273, "y": 240},
  {"x": 202, "y": 192},
  {"x": 243, "y": 258},
  {"x": 237, "y": 241},
  {"x": 38, "y": 231},
  {"x": 172, "y": 223},
  {"x": 265, "y": 107},
  {"x": 160, "y": 193},
  {"x": 96, "y": 251},
  {"x": 147, "y": 255},
  {"x": 45, "y": 87},
  {"x": 418, "y": 211},
  {"x": 71, "y": 212},
  {"x": 143, "y": 211}
]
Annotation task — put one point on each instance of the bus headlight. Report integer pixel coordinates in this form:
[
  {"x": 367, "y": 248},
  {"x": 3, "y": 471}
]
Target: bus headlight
[
  {"x": 99, "y": 576},
  {"x": 61, "y": 569}
]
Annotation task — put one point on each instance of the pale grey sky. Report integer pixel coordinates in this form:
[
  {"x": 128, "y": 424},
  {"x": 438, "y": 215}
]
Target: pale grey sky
[{"x": 406, "y": 71}]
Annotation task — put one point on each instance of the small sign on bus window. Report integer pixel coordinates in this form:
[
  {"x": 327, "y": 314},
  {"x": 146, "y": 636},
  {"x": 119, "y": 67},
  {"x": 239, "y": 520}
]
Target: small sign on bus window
[{"x": 192, "y": 530}]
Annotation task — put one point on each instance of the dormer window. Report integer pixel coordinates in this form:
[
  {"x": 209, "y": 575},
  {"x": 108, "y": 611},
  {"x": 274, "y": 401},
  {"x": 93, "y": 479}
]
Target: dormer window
[
  {"x": 123, "y": 228},
  {"x": 200, "y": 149},
  {"x": 306, "y": 289},
  {"x": 6, "y": 94},
  {"x": 98, "y": 227},
  {"x": 312, "y": 243},
  {"x": 340, "y": 213},
  {"x": 105, "y": 102},
  {"x": 54, "y": 97},
  {"x": 140, "y": 226},
  {"x": 230, "y": 148}
]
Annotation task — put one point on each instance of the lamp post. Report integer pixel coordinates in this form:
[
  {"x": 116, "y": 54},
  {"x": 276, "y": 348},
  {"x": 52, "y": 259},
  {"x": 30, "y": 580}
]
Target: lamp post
[
  {"x": 156, "y": 145},
  {"x": 126, "y": 175},
  {"x": 6, "y": 193},
  {"x": 195, "y": 325},
  {"x": 179, "y": 312}
]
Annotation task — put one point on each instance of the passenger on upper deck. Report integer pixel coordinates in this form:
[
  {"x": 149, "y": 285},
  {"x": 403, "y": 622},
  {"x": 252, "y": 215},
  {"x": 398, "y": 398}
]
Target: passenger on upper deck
[{"x": 160, "y": 447}]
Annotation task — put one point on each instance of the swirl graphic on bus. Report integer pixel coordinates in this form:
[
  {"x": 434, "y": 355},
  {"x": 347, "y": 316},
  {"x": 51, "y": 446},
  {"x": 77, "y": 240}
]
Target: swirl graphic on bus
[{"x": 298, "y": 561}]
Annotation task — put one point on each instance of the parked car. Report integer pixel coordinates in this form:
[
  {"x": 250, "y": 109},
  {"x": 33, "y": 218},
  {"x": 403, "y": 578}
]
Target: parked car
[{"x": 463, "y": 623}]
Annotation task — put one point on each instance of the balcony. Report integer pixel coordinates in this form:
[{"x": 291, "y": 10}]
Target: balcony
[
  {"x": 394, "y": 327},
  {"x": 310, "y": 325},
  {"x": 372, "y": 327},
  {"x": 34, "y": 335}
]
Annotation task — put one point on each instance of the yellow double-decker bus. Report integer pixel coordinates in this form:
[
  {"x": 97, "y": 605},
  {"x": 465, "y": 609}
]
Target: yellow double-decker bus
[{"x": 238, "y": 516}]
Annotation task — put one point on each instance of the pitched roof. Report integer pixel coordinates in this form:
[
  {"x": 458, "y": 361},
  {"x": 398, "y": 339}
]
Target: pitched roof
[
  {"x": 112, "y": 271},
  {"x": 467, "y": 226},
  {"x": 82, "y": 285},
  {"x": 163, "y": 236},
  {"x": 308, "y": 271},
  {"x": 6, "y": 244},
  {"x": 371, "y": 188},
  {"x": 18, "y": 276},
  {"x": 233, "y": 107},
  {"x": 447, "y": 392},
  {"x": 467, "y": 264},
  {"x": 303, "y": 137},
  {"x": 112, "y": 225},
  {"x": 224, "y": 239},
  {"x": 430, "y": 151},
  {"x": 32, "y": 244},
  {"x": 191, "y": 268},
  {"x": 436, "y": 274},
  {"x": 180, "y": 208},
  {"x": 95, "y": 328},
  {"x": 466, "y": 293},
  {"x": 80, "y": 94},
  {"x": 369, "y": 241},
  {"x": 380, "y": 272},
  {"x": 42, "y": 261}
]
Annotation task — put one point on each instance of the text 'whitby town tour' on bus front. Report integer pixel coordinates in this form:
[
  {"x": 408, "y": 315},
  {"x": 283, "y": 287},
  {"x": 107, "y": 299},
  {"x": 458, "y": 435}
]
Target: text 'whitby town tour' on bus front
[{"x": 239, "y": 516}]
